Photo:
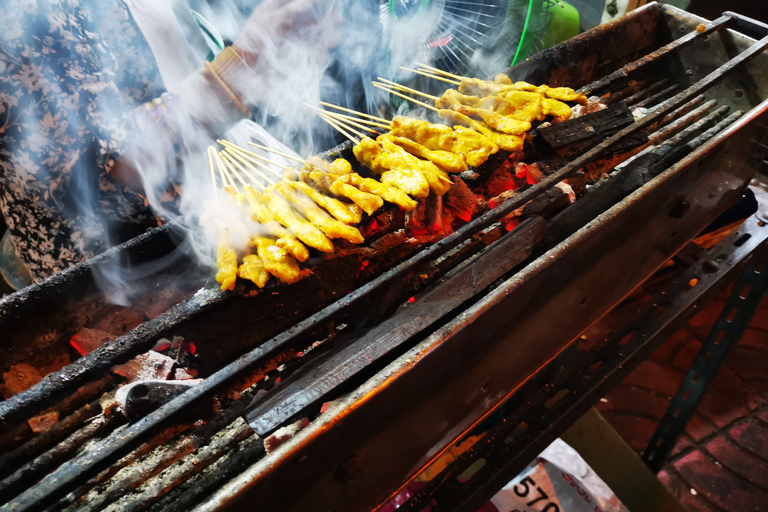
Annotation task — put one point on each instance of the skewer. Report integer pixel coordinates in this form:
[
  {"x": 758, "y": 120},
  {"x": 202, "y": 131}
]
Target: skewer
[
  {"x": 435, "y": 77},
  {"x": 364, "y": 121},
  {"x": 361, "y": 114},
  {"x": 241, "y": 149},
  {"x": 237, "y": 175},
  {"x": 251, "y": 177},
  {"x": 211, "y": 152},
  {"x": 341, "y": 118},
  {"x": 439, "y": 71},
  {"x": 233, "y": 153},
  {"x": 226, "y": 168},
  {"x": 254, "y": 179},
  {"x": 284, "y": 155},
  {"x": 383, "y": 87},
  {"x": 341, "y": 130},
  {"x": 395, "y": 85}
]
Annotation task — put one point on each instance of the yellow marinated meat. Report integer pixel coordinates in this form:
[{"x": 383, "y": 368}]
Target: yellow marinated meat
[
  {"x": 369, "y": 153},
  {"x": 295, "y": 248},
  {"x": 557, "y": 108},
  {"x": 319, "y": 217},
  {"x": 335, "y": 207},
  {"x": 475, "y": 147},
  {"x": 453, "y": 99},
  {"x": 299, "y": 227},
  {"x": 226, "y": 261},
  {"x": 396, "y": 168},
  {"x": 445, "y": 160},
  {"x": 523, "y": 105},
  {"x": 340, "y": 167},
  {"x": 502, "y": 79},
  {"x": 264, "y": 216},
  {"x": 566, "y": 94},
  {"x": 503, "y": 140},
  {"x": 437, "y": 181},
  {"x": 276, "y": 260},
  {"x": 253, "y": 270},
  {"x": 477, "y": 87},
  {"x": 386, "y": 192},
  {"x": 368, "y": 202},
  {"x": 499, "y": 122}
]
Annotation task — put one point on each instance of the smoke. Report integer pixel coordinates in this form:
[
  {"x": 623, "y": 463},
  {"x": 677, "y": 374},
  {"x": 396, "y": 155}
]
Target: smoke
[{"x": 306, "y": 51}]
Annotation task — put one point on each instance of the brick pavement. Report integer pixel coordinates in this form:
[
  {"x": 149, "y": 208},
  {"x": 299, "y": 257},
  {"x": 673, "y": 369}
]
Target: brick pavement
[{"x": 721, "y": 461}]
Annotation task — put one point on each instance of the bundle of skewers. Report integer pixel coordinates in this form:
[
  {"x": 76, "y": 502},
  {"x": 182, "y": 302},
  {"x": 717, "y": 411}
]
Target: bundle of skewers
[{"x": 404, "y": 161}]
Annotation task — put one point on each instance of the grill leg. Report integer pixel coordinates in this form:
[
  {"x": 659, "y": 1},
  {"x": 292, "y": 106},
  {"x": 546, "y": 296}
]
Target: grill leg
[{"x": 747, "y": 294}]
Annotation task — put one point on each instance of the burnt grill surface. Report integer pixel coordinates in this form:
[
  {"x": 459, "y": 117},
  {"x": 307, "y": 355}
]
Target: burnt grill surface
[{"x": 186, "y": 463}]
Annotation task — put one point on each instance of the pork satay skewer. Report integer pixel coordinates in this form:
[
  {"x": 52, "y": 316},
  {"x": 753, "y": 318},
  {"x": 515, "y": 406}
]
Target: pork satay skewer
[
  {"x": 361, "y": 120},
  {"x": 341, "y": 130},
  {"x": 232, "y": 163},
  {"x": 212, "y": 167}
]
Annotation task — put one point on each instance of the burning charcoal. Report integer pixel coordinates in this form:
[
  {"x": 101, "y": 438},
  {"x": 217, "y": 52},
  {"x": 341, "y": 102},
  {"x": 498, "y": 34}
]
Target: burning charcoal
[
  {"x": 116, "y": 320},
  {"x": 568, "y": 190},
  {"x": 18, "y": 378},
  {"x": 434, "y": 214},
  {"x": 460, "y": 200},
  {"x": 149, "y": 366},
  {"x": 587, "y": 129},
  {"x": 43, "y": 422},
  {"x": 87, "y": 340},
  {"x": 155, "y": 303},
  {"x": 282, "y": 435},
  {"x": 502, "y": 179},
  {"x": 415, "y": 220}
]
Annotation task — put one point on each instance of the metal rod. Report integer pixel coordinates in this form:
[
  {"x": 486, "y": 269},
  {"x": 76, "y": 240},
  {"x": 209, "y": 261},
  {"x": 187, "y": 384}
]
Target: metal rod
[
  {"x": 667, "y": 131},
  {"x": 656, "y": 97},
  {"x": 675, "y": 45},
  {"x": 645, "y": 92},
  {"x": 87, "y": 464}
]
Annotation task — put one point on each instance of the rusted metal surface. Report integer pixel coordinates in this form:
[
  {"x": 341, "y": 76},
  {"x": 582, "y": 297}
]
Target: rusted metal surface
[
  {"x": 508, "y": 447},
  {"x": 653, "y": 57},
  {"x": 458, "y": 287},
  {"x": 448, "y": 382}
]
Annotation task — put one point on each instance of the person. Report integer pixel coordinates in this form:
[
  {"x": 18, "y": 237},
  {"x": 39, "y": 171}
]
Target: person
[{"x": 94, "y": 93}]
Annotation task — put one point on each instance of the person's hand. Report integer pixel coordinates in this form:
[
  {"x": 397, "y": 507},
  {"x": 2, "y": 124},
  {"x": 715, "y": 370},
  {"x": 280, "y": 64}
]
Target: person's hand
[{"x": 278, "y": 29}]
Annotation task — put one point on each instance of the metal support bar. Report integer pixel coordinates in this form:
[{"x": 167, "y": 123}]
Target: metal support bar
[
  {"x": 740, "y": 308},
  {"x": 508, "y": 447}
]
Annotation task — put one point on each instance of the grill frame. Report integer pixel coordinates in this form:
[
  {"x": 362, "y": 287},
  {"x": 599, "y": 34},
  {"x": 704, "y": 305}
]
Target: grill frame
[{"x": 366, "y": 432}]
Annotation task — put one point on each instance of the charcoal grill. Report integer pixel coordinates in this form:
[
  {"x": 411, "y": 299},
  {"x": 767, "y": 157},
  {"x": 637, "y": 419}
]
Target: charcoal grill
[{"x": 490, "y": 310}]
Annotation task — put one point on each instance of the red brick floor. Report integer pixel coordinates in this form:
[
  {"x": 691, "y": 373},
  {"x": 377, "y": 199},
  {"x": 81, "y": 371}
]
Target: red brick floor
[{"x": 721, "y": 461}]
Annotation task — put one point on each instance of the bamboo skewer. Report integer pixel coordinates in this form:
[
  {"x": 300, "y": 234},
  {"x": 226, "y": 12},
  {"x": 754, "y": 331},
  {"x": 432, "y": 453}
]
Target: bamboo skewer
[
  {"x": 226, "y": 169},
  {"x": 211, "y": 152},
  {"x": 284, "y": 155},
  {"x": 234, "y": 153},
  {"x": 346, "y": 120},
  {"x": 439, "y": 71},
  {"x": 232, "y": 162},
  {"x": 391, "y": 91},
  {"x": 359, "y": 120},
  {"x": 241, "y": 149},
  {"x": 253, "y": 177},
  {"x": 350, "y": 111},
  {"x": 341, "y": 130},
  {"x": 435, "y": 77},
  {"x": 397, "y": 86}
]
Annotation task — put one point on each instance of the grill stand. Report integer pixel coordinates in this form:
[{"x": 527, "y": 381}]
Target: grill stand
[{"x": 539, "y": 417}]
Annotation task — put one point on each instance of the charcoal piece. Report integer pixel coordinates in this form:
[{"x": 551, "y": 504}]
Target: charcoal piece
[{"x": 589, "y": 128}]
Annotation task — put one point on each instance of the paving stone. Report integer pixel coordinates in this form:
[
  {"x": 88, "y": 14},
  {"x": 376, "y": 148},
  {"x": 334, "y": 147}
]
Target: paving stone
[
  {"x": 682, "y": 491},
  {"x": 686, "y": 354},
  {"x": 703, "y": 321},
  {"x": 752, "y": 436},
  {"x": 665, "y": 352},
  {"x": 698, "y": 429},
  {"x": 763, "y": 415},
  {"x": 754, "y": 338},
  {"x": 721, "y": 487},
  {"x": 682, "y": 444},
  {"x": 636, "y": 431},
  {"x": 750, "y": 364},
  {"x": 653, "y": 376},
  {"x": 739, "y": 461},
  {"x": 635, "y": 400}
]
